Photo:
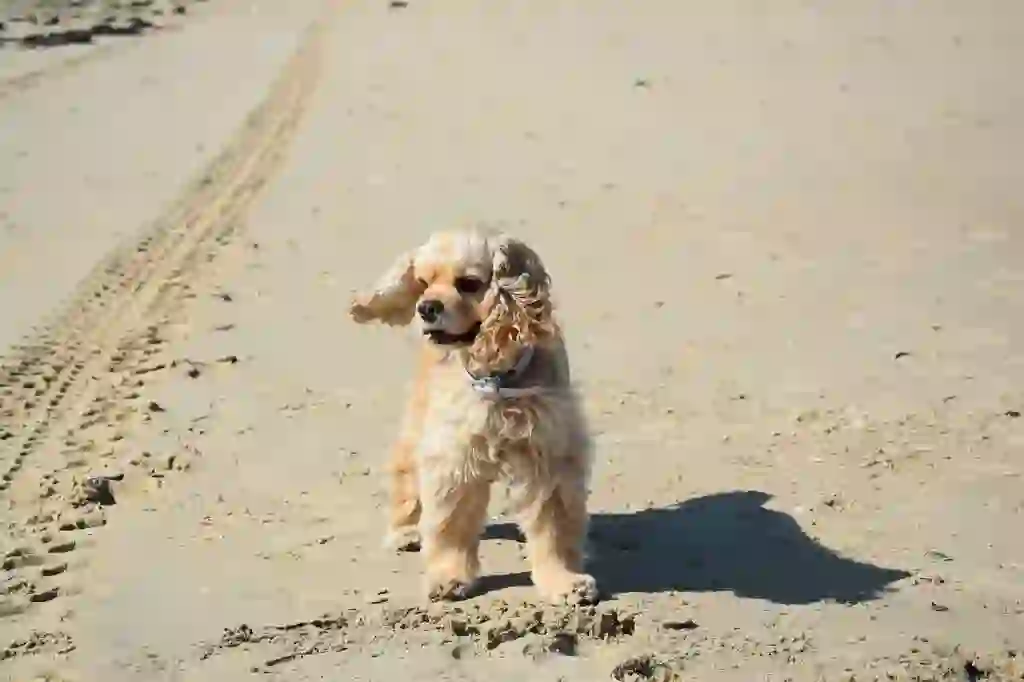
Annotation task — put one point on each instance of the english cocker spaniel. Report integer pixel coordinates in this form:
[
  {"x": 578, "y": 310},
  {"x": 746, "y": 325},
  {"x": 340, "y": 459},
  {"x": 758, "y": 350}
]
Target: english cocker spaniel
[{"x": 491, "y": 402}]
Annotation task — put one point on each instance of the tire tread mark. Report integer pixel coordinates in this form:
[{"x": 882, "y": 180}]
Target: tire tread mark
[{"x": 51, "y": 378}]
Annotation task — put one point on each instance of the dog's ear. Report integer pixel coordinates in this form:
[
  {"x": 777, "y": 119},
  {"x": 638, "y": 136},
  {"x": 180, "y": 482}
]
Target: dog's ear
[
  {"x": 519, "y": 273},
  {"x": 518, "y": 304},
  {"x": 393, "y": 298}
]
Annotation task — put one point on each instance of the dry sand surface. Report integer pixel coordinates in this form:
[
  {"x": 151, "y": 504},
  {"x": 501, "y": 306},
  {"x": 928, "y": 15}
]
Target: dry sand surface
[{"x": 787, "y": 250}]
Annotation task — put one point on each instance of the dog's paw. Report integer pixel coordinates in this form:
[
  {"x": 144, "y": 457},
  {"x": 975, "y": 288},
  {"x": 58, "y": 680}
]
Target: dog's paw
[
  {"x": 449, "y": 590},
  {"x": 584, "y": 590},
  {"x": 571, "y": 588},
  {"x": 403, "y": 539}
]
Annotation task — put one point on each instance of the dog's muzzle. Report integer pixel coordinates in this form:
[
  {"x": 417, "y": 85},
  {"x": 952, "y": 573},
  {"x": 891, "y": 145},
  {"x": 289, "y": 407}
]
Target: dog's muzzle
[
  {"x": 443, "y": 338},
  {"x": 430, "y": 310}
]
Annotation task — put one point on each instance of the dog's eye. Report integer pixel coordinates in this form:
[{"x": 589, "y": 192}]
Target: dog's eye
[{"x": 468, "y": 285}]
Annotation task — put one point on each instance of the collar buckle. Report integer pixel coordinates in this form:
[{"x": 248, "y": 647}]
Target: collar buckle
[{"x": 496, "y": 385}]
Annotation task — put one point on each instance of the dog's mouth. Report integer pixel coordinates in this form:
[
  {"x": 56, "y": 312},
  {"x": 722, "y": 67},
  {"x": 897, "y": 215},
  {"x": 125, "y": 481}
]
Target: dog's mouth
[{"x": 443, "y": 338}]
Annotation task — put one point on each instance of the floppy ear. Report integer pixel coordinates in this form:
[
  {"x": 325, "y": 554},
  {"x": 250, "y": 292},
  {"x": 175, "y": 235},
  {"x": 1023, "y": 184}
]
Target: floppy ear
[
  {"x": 517, "y": 272},
  {"x": 518, "y": 303},
  {"x": 393, "y": 299}
]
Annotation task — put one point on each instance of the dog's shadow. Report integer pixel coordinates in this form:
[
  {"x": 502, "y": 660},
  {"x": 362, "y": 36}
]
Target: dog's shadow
[{"x": 723, "y": 542}]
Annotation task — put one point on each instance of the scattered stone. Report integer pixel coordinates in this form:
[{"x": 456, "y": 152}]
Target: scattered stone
[
  {"x": 499, "y": 632},
  {"x": 564, "y": 643},
  {"x": 39, "y": 643},
  {"x": 93, "y": 520},
  {"x": 50, "y": 570},
  {"x": 45, "y": 596},
  {"x": 833, "y": 501},
  {"x": 644, "y": 667},
  {"x": 380, "y": 598},
  {"x": 936, "y": 554},
  {"x": 62, "y": 547},
  {"x": 97, "y": 489},
  {"x": 687, "y": 624},
  {"x": 609, "y": 624},
  {"x": 154, "y": 406},
  {"x": 539, "y": 646}
]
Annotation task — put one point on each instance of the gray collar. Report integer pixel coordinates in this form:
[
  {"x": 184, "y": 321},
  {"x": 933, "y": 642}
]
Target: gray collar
[{"x": 498, "y": 385}]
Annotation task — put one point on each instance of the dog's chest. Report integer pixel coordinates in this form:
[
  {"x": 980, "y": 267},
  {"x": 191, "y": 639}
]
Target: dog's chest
[
  {"x": 463, "y": 413},
  {"x": 467, "y": 429}
]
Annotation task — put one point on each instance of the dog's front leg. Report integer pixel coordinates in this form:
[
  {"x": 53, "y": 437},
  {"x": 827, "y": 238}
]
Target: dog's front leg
[
  {"x": 555, "y": 526},
  {"x": 404, "y": 508},
  {"x": 404, "y": 505},
  {"x": 452, "y": 522}
]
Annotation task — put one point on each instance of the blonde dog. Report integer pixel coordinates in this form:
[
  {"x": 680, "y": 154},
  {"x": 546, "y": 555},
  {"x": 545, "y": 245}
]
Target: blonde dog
[{"x": 491, "y": 401}]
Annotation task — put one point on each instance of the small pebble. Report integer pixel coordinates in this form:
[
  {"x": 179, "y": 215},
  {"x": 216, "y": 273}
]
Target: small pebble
[
  {"x": 53, "y": 569},
  {"x": 62, "y": 547},
  {"x": 687, "y": 624},
  {"x": 97, "y": 489},
  {"x": 48, "y": 595},
  {"x": 380, "y": 598}
]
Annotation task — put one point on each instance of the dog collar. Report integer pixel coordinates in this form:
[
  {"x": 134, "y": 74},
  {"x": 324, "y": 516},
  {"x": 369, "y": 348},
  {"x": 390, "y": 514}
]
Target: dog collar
[{"x": 497, "y": 385}]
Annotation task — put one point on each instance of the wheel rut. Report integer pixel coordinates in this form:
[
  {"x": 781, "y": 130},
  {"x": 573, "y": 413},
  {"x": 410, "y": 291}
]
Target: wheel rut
[{"x": 70, "y": 393}]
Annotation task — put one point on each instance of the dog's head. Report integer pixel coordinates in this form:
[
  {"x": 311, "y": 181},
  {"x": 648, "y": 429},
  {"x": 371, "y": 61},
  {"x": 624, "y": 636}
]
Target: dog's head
[{"x": 486, "y": 293}]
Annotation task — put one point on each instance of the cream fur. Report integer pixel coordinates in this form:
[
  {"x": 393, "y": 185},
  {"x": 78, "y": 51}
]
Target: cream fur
[{"x": 456, "y": 442}]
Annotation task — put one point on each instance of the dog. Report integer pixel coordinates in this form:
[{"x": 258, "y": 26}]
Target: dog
[{"x": 491, "y": 402}]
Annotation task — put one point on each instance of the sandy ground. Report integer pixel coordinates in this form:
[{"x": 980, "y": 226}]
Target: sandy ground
[{"x": 787, "y": 252}]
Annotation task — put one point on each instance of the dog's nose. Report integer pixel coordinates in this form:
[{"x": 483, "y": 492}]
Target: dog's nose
[{"x": 430, "y": 310}]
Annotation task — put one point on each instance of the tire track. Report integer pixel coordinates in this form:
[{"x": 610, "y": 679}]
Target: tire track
[{"x": 68, "y": 394}]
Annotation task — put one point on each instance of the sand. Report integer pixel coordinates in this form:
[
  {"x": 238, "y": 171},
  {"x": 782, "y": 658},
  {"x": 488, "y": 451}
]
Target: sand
[{"x": 786, "y": 250}]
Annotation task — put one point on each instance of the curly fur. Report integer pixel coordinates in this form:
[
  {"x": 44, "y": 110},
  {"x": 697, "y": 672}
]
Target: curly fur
[{"x": 455, "y": 442}]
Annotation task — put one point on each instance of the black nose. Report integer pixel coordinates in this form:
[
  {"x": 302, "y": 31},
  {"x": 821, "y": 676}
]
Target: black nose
[{"x": 430, "y": 310}]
